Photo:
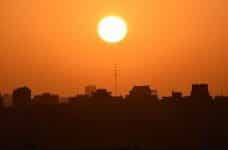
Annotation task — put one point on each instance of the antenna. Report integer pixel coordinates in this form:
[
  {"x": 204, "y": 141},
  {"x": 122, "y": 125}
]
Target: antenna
[{"x": 116, "y": 79}]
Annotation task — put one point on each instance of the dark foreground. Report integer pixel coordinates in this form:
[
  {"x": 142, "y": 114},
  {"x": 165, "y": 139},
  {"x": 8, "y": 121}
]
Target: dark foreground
[{"x": 164, "y": 126}]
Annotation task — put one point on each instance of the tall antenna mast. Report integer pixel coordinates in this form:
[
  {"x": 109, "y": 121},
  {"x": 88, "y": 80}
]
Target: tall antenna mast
[{"x": 116, "y": 79}]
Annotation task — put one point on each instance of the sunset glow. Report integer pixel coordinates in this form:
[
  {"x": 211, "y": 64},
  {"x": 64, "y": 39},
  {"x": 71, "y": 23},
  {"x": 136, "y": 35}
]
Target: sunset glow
[
  {"x": 113, "y": 74},
  {"x": 166, "y": 44}
]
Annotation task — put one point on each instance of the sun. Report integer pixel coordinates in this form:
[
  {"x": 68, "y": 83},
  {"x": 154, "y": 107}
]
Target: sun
[{"x": 112, "y": 29}]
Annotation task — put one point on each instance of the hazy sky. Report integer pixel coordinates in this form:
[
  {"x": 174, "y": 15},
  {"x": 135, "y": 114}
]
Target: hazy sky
[{"x": 52, "y": 45}]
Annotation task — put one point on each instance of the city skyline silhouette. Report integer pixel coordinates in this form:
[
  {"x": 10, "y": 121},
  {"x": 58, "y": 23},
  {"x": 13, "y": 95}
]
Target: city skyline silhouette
[
  {"x": 97, "y": 120},
  {"x": 90, "y": 90},
  {"x": 199, "y": 92},
  {"x": 113, "y": 75}
]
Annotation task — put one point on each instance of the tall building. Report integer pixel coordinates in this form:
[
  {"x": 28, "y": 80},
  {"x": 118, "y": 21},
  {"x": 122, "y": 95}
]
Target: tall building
[
  {"x": 200, "y": 93},
  {"x": 142, "y": 94},
  {"x": 141, "y": 91},
  {"x": 90, "y": 89},
  {"x": 21, "y": 96}
]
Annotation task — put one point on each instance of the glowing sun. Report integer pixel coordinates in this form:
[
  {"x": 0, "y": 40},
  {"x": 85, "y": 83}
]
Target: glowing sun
[{"x": 112, "y": 29}]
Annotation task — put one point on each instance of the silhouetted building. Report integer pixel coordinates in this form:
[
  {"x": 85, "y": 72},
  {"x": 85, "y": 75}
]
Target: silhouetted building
[
  {"x": 90, "y": 89},
  {"x": 102, "y": 93},
  {"x": 46, "y": 98},
  {"x": 200, "y": 93},
  {"x": 101, "y": 96},
  {"x": 142, "y": 93},
  {"x": 200, "y": 90},
  {"x": 21, "y": 96}
]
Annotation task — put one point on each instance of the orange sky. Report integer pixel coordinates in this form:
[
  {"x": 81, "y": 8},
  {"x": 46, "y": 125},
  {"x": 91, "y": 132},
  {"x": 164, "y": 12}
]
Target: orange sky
[{"x": 52, "y": 45}]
